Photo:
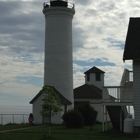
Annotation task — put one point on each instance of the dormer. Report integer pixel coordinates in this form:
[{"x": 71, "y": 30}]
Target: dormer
[{"x": 94, "y": 76}]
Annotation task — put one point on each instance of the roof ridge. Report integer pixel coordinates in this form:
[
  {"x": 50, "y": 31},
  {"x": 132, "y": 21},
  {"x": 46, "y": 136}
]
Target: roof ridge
[
  {"x": 62, "y": 98},
  {"x": 94, "y": 70}
]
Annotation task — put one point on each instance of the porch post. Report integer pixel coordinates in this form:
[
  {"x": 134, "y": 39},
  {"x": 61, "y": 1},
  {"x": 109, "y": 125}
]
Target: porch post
[
  {"x": 129, "y": 109},
  {"x": 106, "y": 117},
  {"x": 1, "y": 119},
  {"x": 103, "y": 119},
  {"x": 120, "y": 120}
]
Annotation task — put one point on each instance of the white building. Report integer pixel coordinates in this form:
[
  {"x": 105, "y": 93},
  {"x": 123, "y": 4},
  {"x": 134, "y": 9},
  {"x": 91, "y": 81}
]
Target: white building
[
  {"x": 91, "y": 91},
  {"x": 58, "y": 73},
  {"x": 132, "y": 52},
  {"x": 127, "y": 93},
  {"x": 58, "y": 64},
  {"x": 38, "y": 105}
]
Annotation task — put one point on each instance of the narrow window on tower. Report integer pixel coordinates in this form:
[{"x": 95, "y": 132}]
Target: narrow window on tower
[
  {"x": 98, "y": 77},
  {"x": 88, "y": 76}
]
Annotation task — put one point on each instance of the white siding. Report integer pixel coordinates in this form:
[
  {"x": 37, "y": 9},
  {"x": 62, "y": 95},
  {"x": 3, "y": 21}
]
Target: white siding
[
  {"x": 97, "y": 106},
  {"x": 93, "y": 81},
  {"x": 58, "y": 50},
  {"x": 56, "y": 119},
  {"x": 37, "y": 107},
  {"x": 136, "y": 91}
]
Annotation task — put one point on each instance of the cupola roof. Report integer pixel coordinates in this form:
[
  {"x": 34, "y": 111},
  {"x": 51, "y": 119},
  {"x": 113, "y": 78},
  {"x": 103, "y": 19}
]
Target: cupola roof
[{"x": 94, "y": 70}]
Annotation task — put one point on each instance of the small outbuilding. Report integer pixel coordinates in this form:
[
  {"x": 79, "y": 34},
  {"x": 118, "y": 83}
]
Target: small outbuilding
[
  {"x": 91, "y": 91},
  {"x": 38, "y": 106}
]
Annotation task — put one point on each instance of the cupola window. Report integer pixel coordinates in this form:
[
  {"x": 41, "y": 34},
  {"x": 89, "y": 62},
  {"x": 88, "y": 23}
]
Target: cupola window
[
  {"x": 98, "y": 77},
  {"x": 88, "y": 76}
]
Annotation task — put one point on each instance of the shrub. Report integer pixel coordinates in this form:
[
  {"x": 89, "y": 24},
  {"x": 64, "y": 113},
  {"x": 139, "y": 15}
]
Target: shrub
[
  {"x": 73, "y": 119},
  {"x": 89, "y": 114},
  {"x": 97, "y": 122}
]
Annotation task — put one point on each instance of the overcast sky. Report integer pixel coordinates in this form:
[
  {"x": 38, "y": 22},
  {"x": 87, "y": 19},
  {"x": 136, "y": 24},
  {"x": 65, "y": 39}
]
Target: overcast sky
[{"x": 99, "y": 33}]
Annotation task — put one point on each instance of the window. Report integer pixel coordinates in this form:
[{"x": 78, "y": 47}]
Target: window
[
  {"x": 88, "y": 76},
  {"x": 98, "y": 77}
]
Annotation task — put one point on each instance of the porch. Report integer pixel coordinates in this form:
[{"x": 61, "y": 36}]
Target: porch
[{"x": 116, "y": 99}]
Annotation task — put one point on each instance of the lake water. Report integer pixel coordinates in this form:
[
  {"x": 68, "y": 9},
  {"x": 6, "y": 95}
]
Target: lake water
[{"x": 14, "y": 114}]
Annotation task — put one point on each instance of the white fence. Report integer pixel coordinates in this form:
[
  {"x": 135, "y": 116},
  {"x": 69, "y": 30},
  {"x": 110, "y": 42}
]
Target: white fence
[{"x": 13, "y": 118}]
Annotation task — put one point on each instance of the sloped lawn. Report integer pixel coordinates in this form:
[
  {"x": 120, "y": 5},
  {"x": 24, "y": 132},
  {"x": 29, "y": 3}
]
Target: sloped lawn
[
  {"x": 13, "y": 126},
  {"x": 63, "y": 133}
]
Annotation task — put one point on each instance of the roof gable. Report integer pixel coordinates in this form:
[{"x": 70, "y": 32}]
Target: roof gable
[
  {"x": 87, "y": 91},
  {"x": 132, "y": 43},
  {"x": 94, "y": 70},
  {"x": 63, "y": 100}
]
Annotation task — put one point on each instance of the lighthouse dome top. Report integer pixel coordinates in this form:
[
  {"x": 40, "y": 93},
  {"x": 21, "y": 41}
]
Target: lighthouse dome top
[{"x": 58, "y": 3}]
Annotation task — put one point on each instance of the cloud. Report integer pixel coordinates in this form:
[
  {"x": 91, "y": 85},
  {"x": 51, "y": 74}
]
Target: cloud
[
  {"x": 82, "y": 2},
  {"x": 99, "y": 33},
  {"x": 101, "y": 28},
  {"x": 21, "y": 27}
]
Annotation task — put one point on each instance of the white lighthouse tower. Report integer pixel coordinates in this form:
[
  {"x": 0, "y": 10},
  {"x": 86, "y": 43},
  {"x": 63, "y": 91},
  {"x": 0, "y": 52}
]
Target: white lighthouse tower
[{"x": 58, "y": 66}]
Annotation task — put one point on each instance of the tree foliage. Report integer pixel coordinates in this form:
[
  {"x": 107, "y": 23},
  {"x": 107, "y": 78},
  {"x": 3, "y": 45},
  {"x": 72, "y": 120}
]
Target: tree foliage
[
  {"x": 89, "y": 114},
  {"x": 51, "y": 102}
]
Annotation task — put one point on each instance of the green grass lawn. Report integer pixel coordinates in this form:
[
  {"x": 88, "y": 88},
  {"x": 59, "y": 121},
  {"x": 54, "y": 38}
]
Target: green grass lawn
[
  {"x": 13, "y": 126},
  {"x": 63, "y": 133}
]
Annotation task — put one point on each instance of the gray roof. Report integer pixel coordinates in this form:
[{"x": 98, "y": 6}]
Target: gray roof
[
  {"x": 94, "y": 70},
  {"x": 87, "y": 91},
  {"x": 132, "y": 43},
  {"x": 63, "y": 100}
]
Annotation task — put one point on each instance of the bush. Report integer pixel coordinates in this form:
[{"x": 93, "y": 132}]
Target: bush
[
  {"x": 89, "y": 114},
  {"x": 97, "y": 122},
  {"x": 73, "y": 119}
]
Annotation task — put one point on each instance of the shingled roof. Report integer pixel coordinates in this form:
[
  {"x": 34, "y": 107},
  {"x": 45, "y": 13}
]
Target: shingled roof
[
  {"x": 94, "y": 70},
  {"x": 132, "y": 43},
  {"x": 63, "y": 100},
  {"x": 87, "y": 91}
]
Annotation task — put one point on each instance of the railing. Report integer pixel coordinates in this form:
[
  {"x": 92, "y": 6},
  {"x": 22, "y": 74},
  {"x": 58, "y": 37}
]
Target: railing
[
  {"x": 69, "y": 4},
  {"x": 111, "y": 93},
  {"x": 13, "y": 118},
  {"x": 122, "y": 93},
  {"x": 127, "y": 77},
  {"x": 117, "y": 94}
]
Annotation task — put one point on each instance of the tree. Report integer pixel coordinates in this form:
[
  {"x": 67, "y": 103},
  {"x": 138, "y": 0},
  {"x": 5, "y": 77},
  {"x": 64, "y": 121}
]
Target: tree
[
  {"x": 73, "y": 119},
  {"x": 51, "y": 103},
  {"x": 89, "y": 114}
]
